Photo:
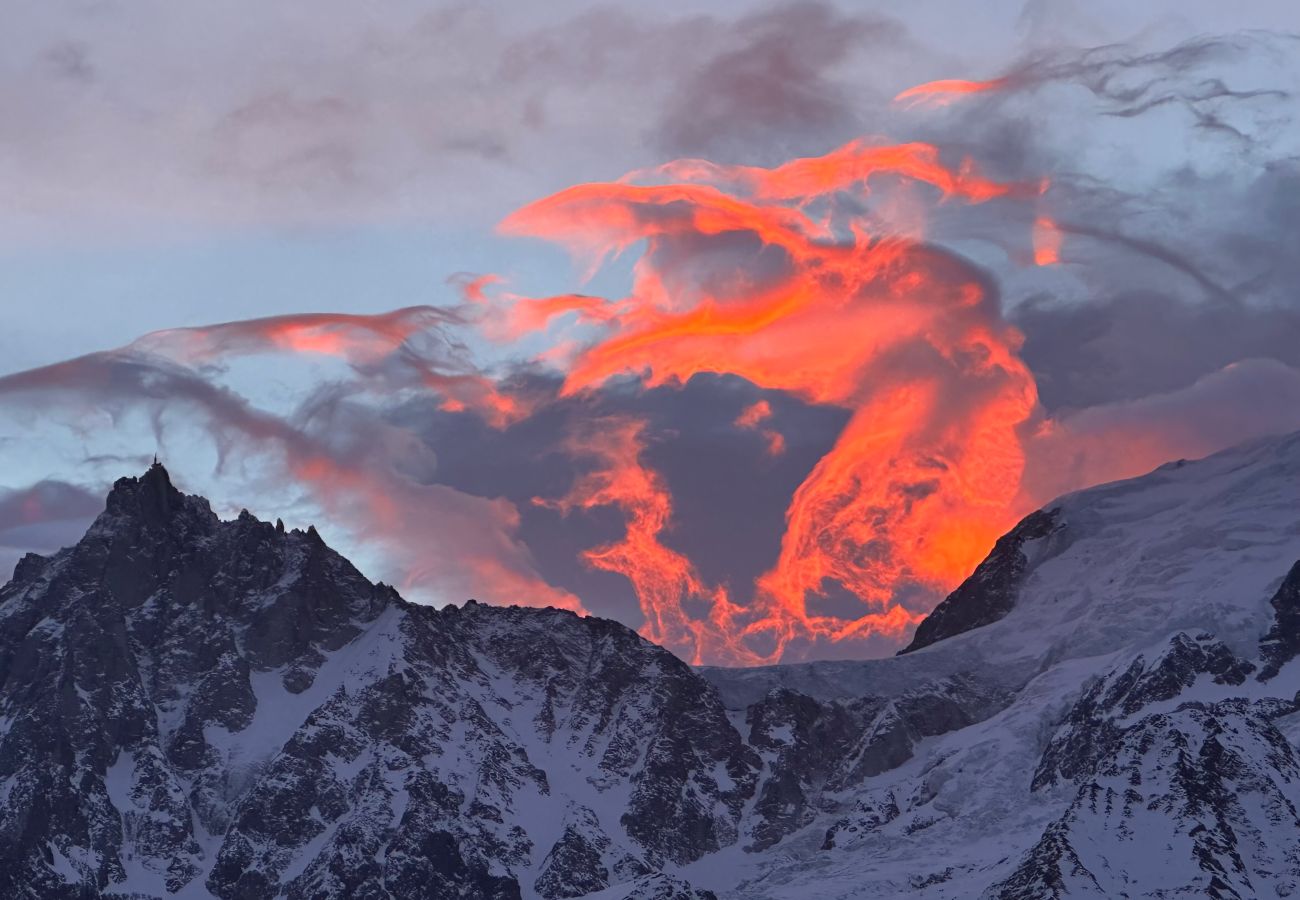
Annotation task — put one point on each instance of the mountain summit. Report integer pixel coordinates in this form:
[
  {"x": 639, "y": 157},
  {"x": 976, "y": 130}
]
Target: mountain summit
[
  {"x": 192, "y": 707},
  {"x": 203, "y": 708}
]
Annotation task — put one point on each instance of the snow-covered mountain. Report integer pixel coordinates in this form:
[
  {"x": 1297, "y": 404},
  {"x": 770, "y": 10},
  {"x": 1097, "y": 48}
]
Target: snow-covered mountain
[
  {"x": 1145, "y": 634},
  {"x": 1107, "y": 707}
]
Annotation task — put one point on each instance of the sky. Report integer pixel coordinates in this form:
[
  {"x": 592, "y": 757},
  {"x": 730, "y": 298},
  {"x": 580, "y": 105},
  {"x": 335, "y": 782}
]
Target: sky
[{"x": 537, "y": 303}]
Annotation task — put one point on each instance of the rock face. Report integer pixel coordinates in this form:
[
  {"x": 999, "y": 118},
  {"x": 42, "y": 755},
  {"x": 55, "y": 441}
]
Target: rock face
[
  {"x": 1093, "y": 729},
  {"x": 1282, "y": 643},
  {"x": 990, "y": 592},
  {"x": 1200, "y": 798},
  {"x": 1200, "y": 801},
  {"x": 126, "y": 659},
  {"x": 197, "y": 708},
  {"x": 814, "y": 752}
]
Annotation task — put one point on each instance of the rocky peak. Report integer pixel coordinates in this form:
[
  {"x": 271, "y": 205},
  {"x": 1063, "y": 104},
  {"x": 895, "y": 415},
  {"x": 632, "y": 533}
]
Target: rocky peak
[
  {"x": 157, "y": 564},
  {"x": 151, "y": 498},
  {"x": 29, "y": 567}
]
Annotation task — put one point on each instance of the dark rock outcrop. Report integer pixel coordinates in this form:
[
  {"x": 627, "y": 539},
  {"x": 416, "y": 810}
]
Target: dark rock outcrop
[
  {"x": 815, "y": 751},
  {"x": 1094, "y": 727},
  {"x": 991, "y": 590},
  {"x": 1202, "y": 800},
  {"x": 1282, "y": 643}
]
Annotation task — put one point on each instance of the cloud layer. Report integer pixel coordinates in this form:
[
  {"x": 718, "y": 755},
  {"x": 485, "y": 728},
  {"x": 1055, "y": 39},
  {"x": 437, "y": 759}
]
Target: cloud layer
[{"x": 811, "y": 374}]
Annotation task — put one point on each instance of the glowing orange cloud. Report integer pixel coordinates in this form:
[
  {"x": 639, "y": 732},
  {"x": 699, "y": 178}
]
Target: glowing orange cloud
[
  {"x": 827, "y": 308},
  {"x": 663, "y": 578},
  {"x": 753, "y": 416},
  {"x": 1047, "y": 242},
  {"x": 945, "y": 91},
  {"x": 512, "y": 317}
]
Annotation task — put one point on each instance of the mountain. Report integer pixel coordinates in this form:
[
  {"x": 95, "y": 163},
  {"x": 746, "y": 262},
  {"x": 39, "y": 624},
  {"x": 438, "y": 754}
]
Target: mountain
[
  {"x": 1146, "y": 634},
  {"x": 192, "y": 707}
]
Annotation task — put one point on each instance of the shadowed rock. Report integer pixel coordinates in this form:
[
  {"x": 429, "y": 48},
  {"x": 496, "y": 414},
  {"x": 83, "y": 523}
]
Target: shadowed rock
[
  {"x": 991, "y": 590},
  {"x": 1282, "y": 643}
]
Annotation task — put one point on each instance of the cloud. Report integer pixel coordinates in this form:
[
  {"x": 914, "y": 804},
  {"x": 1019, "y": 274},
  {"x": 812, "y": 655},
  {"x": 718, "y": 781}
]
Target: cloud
[
  {"x": 1172, "y": 256},
  {"x": 1195, "y": 276},
  {"x": 432, "y": 540},
  {"x": 405, "y": 348},
  {"x": 1125, "y": 80},
  {"x": 754, "y": 272},
  {"x": 769, "y": 91},
  {"x": 338, "y": 116},
  {"x": 1108, "y": 442},
  {"x": 831, "y": 382},
  {"x": 1141, "y": 343},
  {"x": 1150, "y": 316},
  {"x": 724, "y": 494},
  {"x": 42, "y": 518}
]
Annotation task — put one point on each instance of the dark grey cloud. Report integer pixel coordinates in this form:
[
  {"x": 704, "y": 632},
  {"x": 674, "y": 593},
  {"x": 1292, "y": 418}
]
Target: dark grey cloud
[
  {"x": 1027, "y": 126},
  {"x": 337, "y": 116},
  {"x": 71, "y": 60},
  {"x": 1168, "y": 274},
  {"x": 771, "y": 91},
  {"x": 1129, "y": 83},
  {"x": 42, "y": 518},
  {"x": 1212, "y": 282},
  {"x": 1129, "y": 345},
  {"x": 730, "y": 494}
]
